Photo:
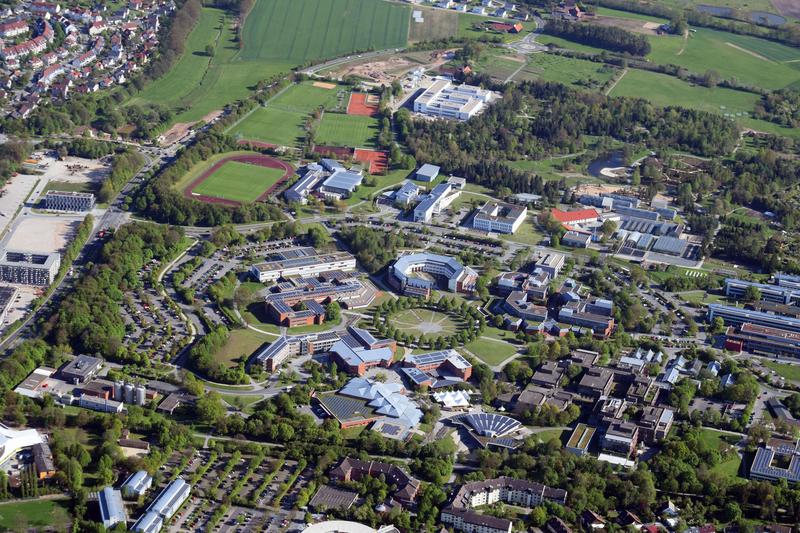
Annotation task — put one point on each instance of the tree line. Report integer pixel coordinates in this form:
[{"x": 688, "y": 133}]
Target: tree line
[{"x": 608, "y": 37}]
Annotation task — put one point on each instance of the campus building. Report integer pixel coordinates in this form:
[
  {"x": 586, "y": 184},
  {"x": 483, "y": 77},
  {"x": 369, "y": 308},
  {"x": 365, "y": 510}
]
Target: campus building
[
  {"x": 763, "y": 340},
  {"x": 80, "y": 369},
  {"x": 7, "y": 297},
  {"x": 735, "y": 316},
  {"x": 736, "y": 288},
  {"x": 406, "y": 194},
  {"x": 443, "y": 99},
  {"x": 363, "y": 401},
  {"x": 437, "y": 369},
  {"x": 272, "y": 356},
  {"x": 497, "y": 217},
  {"x": 28, "y": 268},
  {"x": 300, "y": 261},
  {"x": 68, "y": 201},
  {"x": 357, "y": 351},
  {"x": 302, "y": 188},
  {"x": 551, "y": 263},
  {"x": 458, "y": 278},
  {"x": 341, "y": 184},
  {"x": 406, "y": 486},
  {"x": 299, "y": 301},
  {"x": 137, "y": 484},
  {"x": 164, "y": 506},
  {"x": 587, "y": 315},
  {"x": 776, "y": 460},
  {"x": 437, "y": 200},
  {"x": 112, "y": 509}
]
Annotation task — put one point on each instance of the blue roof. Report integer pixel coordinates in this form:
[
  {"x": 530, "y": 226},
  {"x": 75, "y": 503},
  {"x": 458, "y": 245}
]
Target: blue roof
[{"x": 343, "y": 179}]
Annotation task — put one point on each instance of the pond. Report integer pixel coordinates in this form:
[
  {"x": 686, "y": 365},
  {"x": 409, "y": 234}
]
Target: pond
[
  {"x": 610, "y": 160},
  {"x": 764, "y": 17},
  {"x": 716, "y": 11}
]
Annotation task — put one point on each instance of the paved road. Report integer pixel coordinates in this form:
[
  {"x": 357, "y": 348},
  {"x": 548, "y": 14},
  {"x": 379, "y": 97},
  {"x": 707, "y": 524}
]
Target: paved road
[{"x": 528, "y": 45}]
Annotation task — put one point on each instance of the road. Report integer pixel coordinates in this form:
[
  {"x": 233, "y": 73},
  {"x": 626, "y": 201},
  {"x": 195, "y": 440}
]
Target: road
[
  {"x": 310, "y": 71},
  {"x": 528, "y": 45}
]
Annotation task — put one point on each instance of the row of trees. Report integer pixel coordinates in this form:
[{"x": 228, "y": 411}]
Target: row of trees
[
  {"x": 608, "y": 37},
  {"x": 89, "y": 318}
]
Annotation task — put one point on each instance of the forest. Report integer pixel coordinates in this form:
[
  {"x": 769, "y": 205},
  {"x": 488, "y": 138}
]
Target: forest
[
  {"x": 538, "y": 119},
  {"x": 608, "y": 37}
]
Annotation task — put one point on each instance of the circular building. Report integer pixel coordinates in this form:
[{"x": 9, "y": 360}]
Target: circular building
[{"x": 455, "y": 276}]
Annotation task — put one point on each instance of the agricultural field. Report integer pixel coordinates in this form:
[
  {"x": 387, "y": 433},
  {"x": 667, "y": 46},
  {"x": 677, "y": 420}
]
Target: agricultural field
[
  {"x": 436, "y": 24},
  {"x": 336, "y": 129},
  {"x": 273, "y": 125},
  {"x": 576, "y": 72},
  {"x": 198, "y": 84},
  {"x": 307, "y": 96},
  {"x": 239, "y": 182},
  {"x": 301, "y": 30}
]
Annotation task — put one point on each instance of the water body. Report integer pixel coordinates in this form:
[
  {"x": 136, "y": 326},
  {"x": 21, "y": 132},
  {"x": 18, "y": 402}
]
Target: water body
[
  {"x": 764, "y": 17},
  {"x": 610, "y": 160},
  {"x": 717, "y": 11}
]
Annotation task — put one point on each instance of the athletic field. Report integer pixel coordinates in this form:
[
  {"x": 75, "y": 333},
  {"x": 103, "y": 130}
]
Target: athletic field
[
  {"x": 336, "y": 129},
  {"x": 301, "y": 30},
  {"x": 238, "y": 179},
  {"x": 307, "y": 96},
  {"x": 272, "y": 125}
]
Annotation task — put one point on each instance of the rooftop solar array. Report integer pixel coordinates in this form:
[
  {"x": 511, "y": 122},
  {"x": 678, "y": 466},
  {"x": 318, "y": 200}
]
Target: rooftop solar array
[
  {"x": 345, "y": 408},
  {"x": 418, "y": 377},
  {"x": 490, "y": 424},
  {"x": 439, "y": 357},
  {"x": 762, "y": 464}
]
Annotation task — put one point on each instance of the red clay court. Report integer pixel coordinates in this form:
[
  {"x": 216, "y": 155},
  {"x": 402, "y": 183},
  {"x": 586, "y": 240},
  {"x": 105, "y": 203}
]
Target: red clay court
[
  {"x": 250, "y": 159},
  {"x": 377, "y": 160},
  {"x": 366, "y": 105}
]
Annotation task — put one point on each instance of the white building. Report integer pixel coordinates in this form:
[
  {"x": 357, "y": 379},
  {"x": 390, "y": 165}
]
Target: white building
[
  {"x": 443, "y": 99},
  {"x": 497, "y": 217},
  {"x": 13, "y": 440}
]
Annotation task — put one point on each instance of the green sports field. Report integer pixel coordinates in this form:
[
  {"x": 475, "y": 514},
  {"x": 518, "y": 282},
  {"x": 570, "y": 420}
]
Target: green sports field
[
  {"x": 239, "y": 182},
  {"x": 301, "y": 30},
  {"x": 305, "y": 98},
  {"x": 272, "y": 125},
  {"x": 355, "y": 131}
]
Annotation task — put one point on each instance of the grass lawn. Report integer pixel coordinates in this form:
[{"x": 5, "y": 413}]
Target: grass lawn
[
  {"x": 526, "y": 234},
  {"x": 69, "y": 186},
  {"x": 39, "y": 514},
  {"x": 366, "y": 194},
  {"x": 337, "y": 129},
  {"x": 302, "y": 30},
  {"x": 470, "y": 26},
  {"x": 569, "y": 71},
  {"x": 419, "y": 321},
  {"x": 565, "y": 43},
  {"x": 241, "y": 343},
  {"x": 315, "y": 328},
  {"x": 241, "y": 182},
  {"x": 550, "y": 434},
  {"x": 273, "y": 125},
  {"x": 789, "y": 371},
  {"x": 305, "y": 98},
  {"x": 198, "y": 84},
  {"x": 240, "y": 401},
  {"x": 491, "y": 352},
  {"x": 702, "y": 297},
  {"x": 714, "y": 439},
  {"x": 750, "y": 60}
]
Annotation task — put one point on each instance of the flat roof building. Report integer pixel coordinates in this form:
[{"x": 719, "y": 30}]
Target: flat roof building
[
  {"x": 458, "y": 277},
  {"x": 551, "y": 263},
  {"x": 427, "y": 172},
  {"x": 341, "y": 184},
  {"x": 272, "y": 356},
  {"x": 137, "y": 484},
  {"x": 433, "y": 203},
  {"x": 576, "y": 239},
  {"x": 734, "y": 316},
  {"x": 777, "y": 459},
  {"x": 68, "y": 201},
  {"x": 497, "y": 217},
  {"x": 443, "y": 99},
  {"x": 300, "y": 261},
  {"x": 7, "y": 296},
  {"x": 112, "y": 509},
  {"x": 28, "y": 268},
  {"x": 81, "y": 369},
  {"x": 300, "y": 190}
]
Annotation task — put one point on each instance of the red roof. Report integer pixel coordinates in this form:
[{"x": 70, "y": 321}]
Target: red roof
[{"x": 566, "y": 217}]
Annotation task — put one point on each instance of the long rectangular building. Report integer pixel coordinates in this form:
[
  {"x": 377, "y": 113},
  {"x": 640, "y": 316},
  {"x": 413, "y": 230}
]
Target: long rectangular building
[
  {"x": 779, "y": 294},
  {"x": 762, "y": 339},
  {"x": 68, "y": 201},
  {"x": 28, "y": 268},
  {"x": 301, "y": 261},
  {"x": 735, "y": 316},
  {"x": 272, "y": 356},
  {"x": 496, "y": 217}
]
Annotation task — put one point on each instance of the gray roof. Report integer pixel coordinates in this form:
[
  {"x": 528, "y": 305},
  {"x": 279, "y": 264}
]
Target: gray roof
[
  {"x": 343, "y": 179},
  {"x": 112, "y": 510},
  {"x": 428, "y": 170}
]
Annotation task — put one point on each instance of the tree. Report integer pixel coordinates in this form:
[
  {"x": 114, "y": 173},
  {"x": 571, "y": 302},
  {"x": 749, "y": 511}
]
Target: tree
[
  {"x": 333, "y": 312},
  {"x": 209, "y": 408},
  {"x": 210, "y": 50},
  {"x": 717, "y": 326},
  {"x": 752, "y": 294}
]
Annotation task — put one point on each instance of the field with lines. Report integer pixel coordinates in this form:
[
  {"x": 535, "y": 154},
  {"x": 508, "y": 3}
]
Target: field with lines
[
  {"x": 305, "y": 98},
  {"x": 240, "y": 182},
  {"x": 272, "y": 125},
  {"x": 355, "y": 131},
  {"x": 302, "y": 30}
]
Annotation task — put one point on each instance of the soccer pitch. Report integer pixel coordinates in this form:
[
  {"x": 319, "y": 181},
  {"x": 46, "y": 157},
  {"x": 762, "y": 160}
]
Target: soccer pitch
[
  {"x": 272, "y": 125},
  {"x": 240, "y": 182},
  {"x": 301, "y": 30},
  {"x": 306, "y": 97},
  {"x": 336, "y": 129}
]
